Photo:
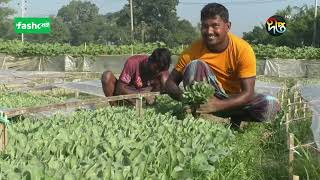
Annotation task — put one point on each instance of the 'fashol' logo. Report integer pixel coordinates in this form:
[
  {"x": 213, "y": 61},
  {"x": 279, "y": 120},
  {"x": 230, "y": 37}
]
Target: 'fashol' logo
[
  {"x": 30, "y": 25},
  {"x": 276, "y": 25}
]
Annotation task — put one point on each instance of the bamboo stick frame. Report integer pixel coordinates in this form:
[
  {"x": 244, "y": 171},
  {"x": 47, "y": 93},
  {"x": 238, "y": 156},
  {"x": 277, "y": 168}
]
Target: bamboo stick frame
[
  {"x": 65, "y": 105},
  {"x": 298, "y": 104}
]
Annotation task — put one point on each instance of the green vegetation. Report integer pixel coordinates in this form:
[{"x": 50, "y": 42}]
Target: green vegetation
[
  {"x": 198, "y": 93},
  {"x": 116, "y": 143},
  {"x": 15, "y": 100},
  {"x": 18, "y": 48}
]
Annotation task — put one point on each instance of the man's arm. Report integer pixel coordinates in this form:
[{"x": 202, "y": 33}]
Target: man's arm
[
  {"x": 124, "y": 89},
  {"x": 158, "y": 84},
  {"x": 172, "y": 85},
  {"x": 215, "y": 104}
]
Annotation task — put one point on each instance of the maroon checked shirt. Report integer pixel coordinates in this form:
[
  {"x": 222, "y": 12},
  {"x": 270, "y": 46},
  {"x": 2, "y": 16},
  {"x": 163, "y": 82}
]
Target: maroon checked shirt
[{"x": 131, "y": 71}]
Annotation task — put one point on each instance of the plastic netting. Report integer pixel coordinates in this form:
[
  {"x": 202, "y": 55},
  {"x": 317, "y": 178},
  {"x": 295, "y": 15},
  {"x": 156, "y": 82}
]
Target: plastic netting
[
  {"x": 268, "y": 88},
  {"x": 92, "y": 87},
  {"x": 311, "y": 93}
]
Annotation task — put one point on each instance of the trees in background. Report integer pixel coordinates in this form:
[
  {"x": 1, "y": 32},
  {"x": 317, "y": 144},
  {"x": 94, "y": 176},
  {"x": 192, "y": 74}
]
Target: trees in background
[
  {"x": 154, "y": 21},
  {"x": 6, "y": 28},
  {"x": 80, "y": 22}
]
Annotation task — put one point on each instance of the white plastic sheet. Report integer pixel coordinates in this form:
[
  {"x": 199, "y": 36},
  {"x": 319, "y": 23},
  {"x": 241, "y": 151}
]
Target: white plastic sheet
[
  {"x": 311, "y": 93},
  {"x": 93, "y": 87},
  {"x": 267, "y": 88}
]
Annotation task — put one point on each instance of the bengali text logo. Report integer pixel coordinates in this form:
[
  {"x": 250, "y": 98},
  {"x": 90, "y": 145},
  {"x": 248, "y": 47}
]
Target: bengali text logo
[{"x": 276, "y": 25}]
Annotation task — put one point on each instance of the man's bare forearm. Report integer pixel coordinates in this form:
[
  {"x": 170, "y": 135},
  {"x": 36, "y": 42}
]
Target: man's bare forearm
[
  {"x": 173, "y": 90},
  {"x": 234, "y": 102}
]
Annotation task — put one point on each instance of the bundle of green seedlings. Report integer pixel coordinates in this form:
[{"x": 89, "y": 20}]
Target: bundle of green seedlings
[{"x": 196, "y": 94}]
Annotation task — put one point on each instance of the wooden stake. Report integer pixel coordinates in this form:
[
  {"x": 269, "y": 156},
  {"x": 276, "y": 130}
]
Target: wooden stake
[
  {"x": 291, "y": 154},
  {"x": 76, "y": 94},
  {"x": 139, "y": 106},
  {"x": 39, "y": 65},
  {"x": 3, "y": 136},
  {"x": 300, "y": 100},
  {"x": 295, "y": 177},
  {"x": 304, "y": 109},
  {"x": 290, "y": 107},
  {"x": 282, "y": 97},
  {"x": 287, "y": 123},
  {"x": 295, "y": 115},
  {"x": 3, "y": 62}
]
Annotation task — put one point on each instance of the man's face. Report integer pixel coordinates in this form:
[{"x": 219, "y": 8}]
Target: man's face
[
  {"x": 214, "y": 31},
  {"x": 153, "y": 70}
]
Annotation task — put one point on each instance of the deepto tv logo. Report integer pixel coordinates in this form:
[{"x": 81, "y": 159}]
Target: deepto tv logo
[{"x": 276, "y": 25}]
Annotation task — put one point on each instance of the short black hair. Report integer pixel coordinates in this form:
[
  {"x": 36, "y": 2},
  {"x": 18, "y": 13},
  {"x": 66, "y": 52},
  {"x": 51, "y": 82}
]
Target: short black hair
[
  {"x": 214, "y": 9},
  {"x": 161, "y": 56}
]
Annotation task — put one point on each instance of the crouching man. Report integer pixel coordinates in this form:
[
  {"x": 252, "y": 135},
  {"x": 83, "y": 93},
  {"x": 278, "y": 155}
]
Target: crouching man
[
  {"x": 141, "y": 73},
  {"x": 228, "y": 63}
]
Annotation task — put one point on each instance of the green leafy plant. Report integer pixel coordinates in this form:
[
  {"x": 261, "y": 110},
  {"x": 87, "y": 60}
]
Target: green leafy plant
[
  {"x": 198, "y": 93},
  {"x": 17, "y": 48},
  {"x": 113, "y": 143}
]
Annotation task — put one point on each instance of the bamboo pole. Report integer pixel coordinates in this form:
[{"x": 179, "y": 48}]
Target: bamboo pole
[
  {"x": 291, "y": 154},
  {"x": 282, "y": 97},
  {"x": 76, "y": 94},
  {"x": 3, "y": 136},
  {"x": 139, "y": 106},
  {"x": 295, "y": 177},
  {"x": 39, "y": 65},
  {"x": 295, "y": 115},
  {"x": 287, "y": 123},
  {"x": 290, "y": 108},
  {"x": 66, "y": 105},
  {"x": 304, "y": 110},
  {"x": 4, "y": 61}
]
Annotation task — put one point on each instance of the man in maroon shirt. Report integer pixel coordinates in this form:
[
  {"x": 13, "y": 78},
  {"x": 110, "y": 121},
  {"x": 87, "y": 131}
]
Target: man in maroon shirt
[{"x": 141, "y": 73}]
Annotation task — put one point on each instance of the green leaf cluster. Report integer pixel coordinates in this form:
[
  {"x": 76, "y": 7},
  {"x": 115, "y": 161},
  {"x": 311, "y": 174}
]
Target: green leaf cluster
[
  {"x": 17, "y": 48},
  {"x": 113, "y": 143},
  {"x": 198, "y": 93}
]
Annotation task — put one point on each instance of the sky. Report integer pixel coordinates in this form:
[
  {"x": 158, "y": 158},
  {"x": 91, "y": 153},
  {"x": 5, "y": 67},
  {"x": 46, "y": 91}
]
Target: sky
[{"x": 244, "y": 14}]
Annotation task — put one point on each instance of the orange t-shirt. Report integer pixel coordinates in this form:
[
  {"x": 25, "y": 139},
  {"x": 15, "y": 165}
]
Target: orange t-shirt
[{"x": 235, "y": 62}]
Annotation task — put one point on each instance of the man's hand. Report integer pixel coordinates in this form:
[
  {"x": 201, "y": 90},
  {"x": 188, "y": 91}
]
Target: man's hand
[
  {"x": 172, "y": 85},
  {"x": 150, "y": 100},
  {"x": 215, "y": 105},
  {"x": 211, "y": 106}
]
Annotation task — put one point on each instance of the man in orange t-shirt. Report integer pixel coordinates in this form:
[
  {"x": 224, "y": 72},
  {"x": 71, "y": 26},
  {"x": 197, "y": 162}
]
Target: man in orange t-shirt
[{"x": 229, "y": 64}]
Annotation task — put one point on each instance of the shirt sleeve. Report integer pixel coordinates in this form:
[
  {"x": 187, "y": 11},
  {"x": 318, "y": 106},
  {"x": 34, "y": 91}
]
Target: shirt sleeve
[
  {"x": 183, "y": 60},
  {"x": 127, "y": 72},
  {"x": 247, "y": 63}
]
